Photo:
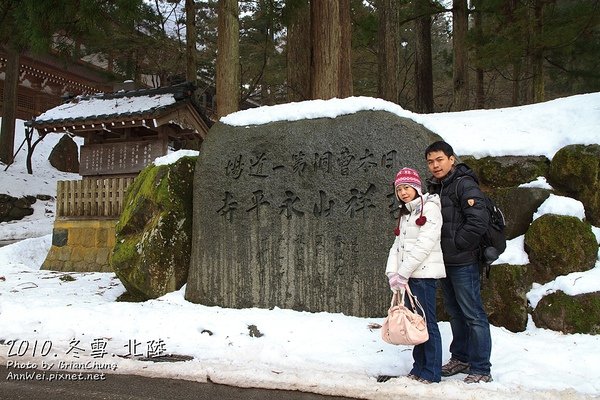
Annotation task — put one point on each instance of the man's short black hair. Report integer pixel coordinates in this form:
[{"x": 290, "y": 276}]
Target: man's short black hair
[{"x": 440, "y": 145}]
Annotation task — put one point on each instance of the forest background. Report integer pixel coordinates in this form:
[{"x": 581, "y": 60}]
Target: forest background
[{"x": 427, "y": 56}]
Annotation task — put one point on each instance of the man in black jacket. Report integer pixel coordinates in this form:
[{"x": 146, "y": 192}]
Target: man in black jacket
[{"x": 465, "y": 221}]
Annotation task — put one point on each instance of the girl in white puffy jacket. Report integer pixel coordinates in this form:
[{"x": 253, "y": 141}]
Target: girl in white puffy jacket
[{"x": 416, "y": 260}]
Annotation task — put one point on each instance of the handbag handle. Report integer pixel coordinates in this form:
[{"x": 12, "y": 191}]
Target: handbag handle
[{"x": 414, "y": 302}]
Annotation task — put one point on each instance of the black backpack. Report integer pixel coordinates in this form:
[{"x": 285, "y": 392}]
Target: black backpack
[{"x": 493, "y": 241}]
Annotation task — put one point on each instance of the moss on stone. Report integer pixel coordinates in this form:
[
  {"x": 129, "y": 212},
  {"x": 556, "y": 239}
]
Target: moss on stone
[
  {"x": 507, "y": 171},
  {"x": 131, "y": 298},
  {"x": 575, "y": 166},
  {"x": 504, "y": 296},
  {"x": 590, "y": 197},
  {"x": 140, "y": 200},
  {"x": 575, "y": 171},
  {"x": 151, "y": 256},
  {"x": 569, "y": 314},
  {"x": 558, "y": 245}
]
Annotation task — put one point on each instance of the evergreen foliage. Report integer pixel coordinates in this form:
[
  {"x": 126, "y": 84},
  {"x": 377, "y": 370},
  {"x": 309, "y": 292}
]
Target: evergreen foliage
[
  {"x": 147, "y": 38},
  {"x": 569, "y": 44}
]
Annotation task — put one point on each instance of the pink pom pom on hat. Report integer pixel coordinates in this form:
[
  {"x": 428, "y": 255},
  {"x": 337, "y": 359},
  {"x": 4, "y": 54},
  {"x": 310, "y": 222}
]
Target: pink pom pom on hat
[{"x": 409, "y": 176}]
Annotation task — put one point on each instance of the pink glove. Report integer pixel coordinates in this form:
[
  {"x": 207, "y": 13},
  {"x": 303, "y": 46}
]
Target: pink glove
[{"x": 397, "y": 282}]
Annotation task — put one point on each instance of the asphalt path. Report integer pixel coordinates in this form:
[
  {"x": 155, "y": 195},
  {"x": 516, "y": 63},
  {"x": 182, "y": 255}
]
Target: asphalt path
[
  {"x": 7, "y": 242},
  {"x": 14, "y": 385}
]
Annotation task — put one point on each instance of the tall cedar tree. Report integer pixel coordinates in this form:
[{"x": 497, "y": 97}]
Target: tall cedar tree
[
  {"x": 345, "y": 88},
  {"x": 228, "y": 64},
  {"x": 325, "y": 48},
  {"x": 537, "y": 54},
  {"x": 388, "y": 85},
  {"x": 328, "y": 38},
  {"x": 460, "y": 76},
  {"x": 423, "y": 61},
  {"x": 297, "y": 19},
  {"x": 479, "y": 73},
  {"x": 191, "y": 72}
]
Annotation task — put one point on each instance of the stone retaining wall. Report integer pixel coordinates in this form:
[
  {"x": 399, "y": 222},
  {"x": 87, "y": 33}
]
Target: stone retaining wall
[{"x": 81, "y": 245}]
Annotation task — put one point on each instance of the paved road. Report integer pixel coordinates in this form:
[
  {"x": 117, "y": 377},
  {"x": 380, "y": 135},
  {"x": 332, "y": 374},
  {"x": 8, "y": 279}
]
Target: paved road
[
  {"x": 132, "y": 387},
  {"x": 7, "y": 242}
]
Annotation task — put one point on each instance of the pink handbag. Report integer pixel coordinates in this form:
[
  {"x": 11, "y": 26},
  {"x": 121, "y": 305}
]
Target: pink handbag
[{"x": 404, "y": 325}]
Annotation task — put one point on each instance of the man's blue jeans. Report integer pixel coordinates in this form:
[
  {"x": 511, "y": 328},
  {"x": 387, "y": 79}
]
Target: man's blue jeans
[
  {"x": 427, "y": 356},
  {"x": 471, "y": 339}
]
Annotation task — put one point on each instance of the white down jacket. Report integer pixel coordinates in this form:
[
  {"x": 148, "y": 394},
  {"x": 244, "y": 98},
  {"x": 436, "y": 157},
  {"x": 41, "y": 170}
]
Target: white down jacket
[{"x": 416, "y": 252}]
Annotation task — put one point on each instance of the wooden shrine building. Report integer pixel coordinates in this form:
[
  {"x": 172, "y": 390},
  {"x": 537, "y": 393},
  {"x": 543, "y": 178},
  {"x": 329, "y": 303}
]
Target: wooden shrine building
[
  {"x": 123, "y": 132},
  {"x": 45, "y": 79}
]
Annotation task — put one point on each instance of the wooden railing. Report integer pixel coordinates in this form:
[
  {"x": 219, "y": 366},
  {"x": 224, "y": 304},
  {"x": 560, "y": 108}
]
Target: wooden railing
[{"x": 91, "y": 197}]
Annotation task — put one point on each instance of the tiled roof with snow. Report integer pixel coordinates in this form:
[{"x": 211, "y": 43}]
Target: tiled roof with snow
[
  {"x": 122, "y": 104},
  {"x": 86, "y": 108}
]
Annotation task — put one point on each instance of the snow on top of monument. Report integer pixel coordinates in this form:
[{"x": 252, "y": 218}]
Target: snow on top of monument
[
  {"x": 312, "y": 109},
  {"x": 95, "y": 106},
  {"x": 538, "y": 129}
]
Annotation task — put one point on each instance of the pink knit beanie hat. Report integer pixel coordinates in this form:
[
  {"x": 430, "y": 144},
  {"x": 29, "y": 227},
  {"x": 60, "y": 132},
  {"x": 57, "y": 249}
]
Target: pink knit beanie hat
[{"x": 409, "y": 176}]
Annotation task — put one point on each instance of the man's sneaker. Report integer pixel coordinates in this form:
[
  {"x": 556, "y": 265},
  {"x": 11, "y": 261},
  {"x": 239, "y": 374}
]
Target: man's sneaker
[
  {"x": 475, "y": 378},
  {"x": 454, "y": 367}
]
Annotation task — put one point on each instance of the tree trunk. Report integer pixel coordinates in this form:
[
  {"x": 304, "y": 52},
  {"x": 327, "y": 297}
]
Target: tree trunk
[
  {"x": 516, "y": 83},
  {"x": 479, "y": 89},
  {"x": 460, "y": 25},
  {"x": 298, "y": 52},
  {"x": 325, "y": 48},
  {"x": 190, "y": 40},
  {"x": 525, "y": 86},
  {"x": 228, "y": 65},
  {"x": 423, "y": 62},
  {"x": 9, "y": 107},
  {"x": 479, "y": 84},
  {"x": 537, "y": 55},
  {"x": 388, "y": 85},
  {"x": 345, "y": 72},
  {"x": 508, "y": 9}
]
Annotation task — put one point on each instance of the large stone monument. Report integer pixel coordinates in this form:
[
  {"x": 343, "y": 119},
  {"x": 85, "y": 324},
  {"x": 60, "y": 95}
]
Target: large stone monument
[{"x": 300, "y": 214}]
